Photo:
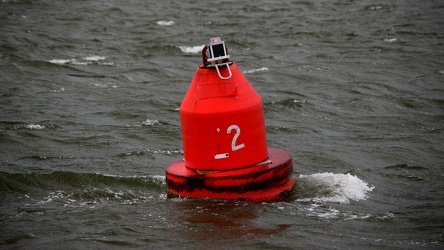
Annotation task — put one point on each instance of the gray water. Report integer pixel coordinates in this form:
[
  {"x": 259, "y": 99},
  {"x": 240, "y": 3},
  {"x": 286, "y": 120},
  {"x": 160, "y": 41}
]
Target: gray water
[{"x": 89, "y": 119}]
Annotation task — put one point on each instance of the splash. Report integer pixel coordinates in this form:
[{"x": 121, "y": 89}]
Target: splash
[
  {"x": 191, "y": 50},
  {"x": 336, "y": 188}
]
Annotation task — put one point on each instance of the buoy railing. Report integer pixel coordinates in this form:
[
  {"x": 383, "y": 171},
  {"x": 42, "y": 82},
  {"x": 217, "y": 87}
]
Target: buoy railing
[{"x": 216, "y": 55}]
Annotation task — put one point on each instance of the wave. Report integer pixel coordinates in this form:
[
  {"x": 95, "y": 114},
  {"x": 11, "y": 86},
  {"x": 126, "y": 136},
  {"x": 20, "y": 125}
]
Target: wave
[
  {"x": 41, "y": 192},
  {"x": 69, "y": 189},
  {"x": 17, "y": 126},
  {"x": 321, "y": 191},
  {"x": 88, "y": 60},
  {"x": 147, "y": 122},
  {"x": 390, "y": 40},
  {"x": 255, "y": 70},
  {"x": 335, "y": 188},
  {"x": 191, "y": 49},
  {"x": 154, "y": 151},
  {"x": 165, "y": 23},
  {"x": 319, "y": 188},
  {"x": 60, "y": 179}
]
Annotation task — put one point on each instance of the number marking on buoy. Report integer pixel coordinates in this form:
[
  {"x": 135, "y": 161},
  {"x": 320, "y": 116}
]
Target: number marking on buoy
[
  {"x": 235, "y": 147},
  {"x": 221, "y": 156}
]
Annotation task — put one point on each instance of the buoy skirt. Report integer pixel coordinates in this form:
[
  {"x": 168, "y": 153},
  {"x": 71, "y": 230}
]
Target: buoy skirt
[{"x": 270, "y": 180}]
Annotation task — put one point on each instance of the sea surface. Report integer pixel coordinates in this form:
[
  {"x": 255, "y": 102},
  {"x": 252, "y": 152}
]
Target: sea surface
[{"x": 89, "y": 119}]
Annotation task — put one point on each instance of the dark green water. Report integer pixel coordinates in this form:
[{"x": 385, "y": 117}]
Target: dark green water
[{"x": 89, "y": 98}]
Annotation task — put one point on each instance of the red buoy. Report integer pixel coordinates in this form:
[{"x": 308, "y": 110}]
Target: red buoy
[
  {"x": 224, "y": 139},
  {"x": 222, "y": 122}
]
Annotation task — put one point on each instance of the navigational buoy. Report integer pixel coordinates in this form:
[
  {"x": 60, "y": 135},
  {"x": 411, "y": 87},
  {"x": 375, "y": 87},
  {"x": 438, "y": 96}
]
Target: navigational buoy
[{"x": 224, "y": 140}]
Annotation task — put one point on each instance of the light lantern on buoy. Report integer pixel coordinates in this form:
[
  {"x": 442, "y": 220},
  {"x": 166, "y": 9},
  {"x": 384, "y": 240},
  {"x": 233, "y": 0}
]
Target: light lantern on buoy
[{"x": 224, "y": 140}]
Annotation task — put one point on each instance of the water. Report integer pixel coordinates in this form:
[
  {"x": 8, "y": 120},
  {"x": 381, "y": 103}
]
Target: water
[{"x": 89, "y": 120}]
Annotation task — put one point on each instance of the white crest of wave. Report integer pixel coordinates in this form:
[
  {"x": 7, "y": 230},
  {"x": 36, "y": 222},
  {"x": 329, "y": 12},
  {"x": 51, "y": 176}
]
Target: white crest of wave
[
  {"x": 94, "y": 58},
  {"x": 165, "y": 23},
  {"x": 337, "y": 188},
  {"x": 74, "y": 62},
  {"x": 87, "y": 60},
  {"x": 191, "y": 50},
  {"x": 34, "y": 126},
  {"x": 59, "y": 61},
  {"x": 68, "y": 61},
  {"x": 149, "y": 122},
  {"x": 390, "y": 40},
  {"x": 255, "y": 70},
  {"x": 159, "y": 178}
]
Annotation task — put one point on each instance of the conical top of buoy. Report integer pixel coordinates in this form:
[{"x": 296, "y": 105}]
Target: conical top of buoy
[{"x": 222, "y": 120}]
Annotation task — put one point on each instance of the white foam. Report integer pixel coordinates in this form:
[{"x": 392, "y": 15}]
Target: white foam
[
  {"x": 299, "y": 101},
  {"x": 149, "y": 122},
  {"x": 158, "y": 178},
  {"x": 166, "y": 152},
  {"x": 336, "y": 188},
  {"x": 255, "y": 70},
  {"x": 94, "y": 58},
  {"x": 74, "y": 62},
  {"x": 54, "y": 196},
  {"x": 68, "y": 61},
  {"x": 390, "y": 40},
  {"x": 106, "y": 85},
  {"x": 59, "y": 61},
  {"x": 87, "y": 60},
  {"x": 328, "y": 212},
  {"x": 58, "y": 90},
  {"x": 376, "y": 7},
  {"x": 34, "y": 126},
  {"x": 165, "y": 23},
  {"x": 192, "y": 49},
  {"x": 107, "y": 63}
]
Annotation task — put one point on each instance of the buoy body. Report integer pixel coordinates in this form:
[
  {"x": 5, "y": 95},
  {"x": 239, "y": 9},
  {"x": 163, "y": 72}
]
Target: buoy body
[
  {"x": 268, "y": 181},
  {"x": 222, "y": 122},
  {"x": 224, "y": 140}
]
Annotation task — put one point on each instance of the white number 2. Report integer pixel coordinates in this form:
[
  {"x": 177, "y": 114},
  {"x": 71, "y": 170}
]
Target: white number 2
[{"x": 235, "y": 147}]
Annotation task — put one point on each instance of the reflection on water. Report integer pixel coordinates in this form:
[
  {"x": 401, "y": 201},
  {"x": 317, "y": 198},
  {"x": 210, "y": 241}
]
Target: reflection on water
[{"x": 217, "y": 220}]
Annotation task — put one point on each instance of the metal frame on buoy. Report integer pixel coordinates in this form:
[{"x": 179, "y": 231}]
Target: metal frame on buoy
[
  {"x": 218, "y": 56},
  {"x": 223, "y": 132}
]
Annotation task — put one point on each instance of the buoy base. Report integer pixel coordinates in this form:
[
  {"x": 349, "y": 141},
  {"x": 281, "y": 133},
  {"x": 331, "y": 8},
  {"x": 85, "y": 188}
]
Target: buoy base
[{"x": 270, "y": 180}]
